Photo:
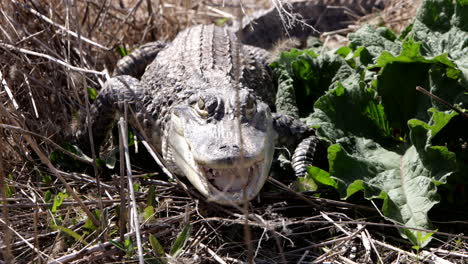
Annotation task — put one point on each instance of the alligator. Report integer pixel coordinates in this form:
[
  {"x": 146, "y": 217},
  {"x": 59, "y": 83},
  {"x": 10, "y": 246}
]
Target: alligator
[{"x": 206, "y": 102}]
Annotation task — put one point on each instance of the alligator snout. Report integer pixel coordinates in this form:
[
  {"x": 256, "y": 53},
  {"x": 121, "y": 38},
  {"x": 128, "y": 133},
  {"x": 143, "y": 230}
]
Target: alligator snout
[{"x": 227, "y": 155}]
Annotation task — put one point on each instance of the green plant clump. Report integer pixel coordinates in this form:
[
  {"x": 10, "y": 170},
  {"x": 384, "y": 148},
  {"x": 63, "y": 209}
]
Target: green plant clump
[{"x": 388, "y": 140}]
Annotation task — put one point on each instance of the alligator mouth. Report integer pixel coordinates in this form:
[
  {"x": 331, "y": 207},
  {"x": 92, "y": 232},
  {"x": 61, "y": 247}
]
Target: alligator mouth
[{"x": 232, "y": 179}]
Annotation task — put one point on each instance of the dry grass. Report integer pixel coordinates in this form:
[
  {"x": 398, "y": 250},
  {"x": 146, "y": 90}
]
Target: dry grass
[{"x": 46, "y": 69}]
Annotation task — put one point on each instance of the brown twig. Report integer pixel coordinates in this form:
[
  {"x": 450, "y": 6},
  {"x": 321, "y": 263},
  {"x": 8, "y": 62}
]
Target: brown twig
[{"x": 435, "y": 97}]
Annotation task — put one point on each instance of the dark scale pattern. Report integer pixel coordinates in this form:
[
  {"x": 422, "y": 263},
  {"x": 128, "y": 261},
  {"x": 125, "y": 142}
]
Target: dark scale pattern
[
  {"x": 291, "y": 130},
  {"x": 200, "y": 58},
  {"x": 304, "y": 156}
]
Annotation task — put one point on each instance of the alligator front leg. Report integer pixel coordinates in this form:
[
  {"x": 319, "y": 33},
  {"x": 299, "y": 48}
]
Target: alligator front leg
[
  {"x": 124, "y": 88},
  {"x": 117, "y": 91},
  {"x": 294, "y": 134}
]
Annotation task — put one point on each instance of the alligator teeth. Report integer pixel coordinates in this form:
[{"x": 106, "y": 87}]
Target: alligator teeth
[{"x": 231, "y": 179}]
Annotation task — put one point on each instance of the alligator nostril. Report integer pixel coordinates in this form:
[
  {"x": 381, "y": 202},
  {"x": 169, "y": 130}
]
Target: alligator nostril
[{"x": 229, "y": 147}]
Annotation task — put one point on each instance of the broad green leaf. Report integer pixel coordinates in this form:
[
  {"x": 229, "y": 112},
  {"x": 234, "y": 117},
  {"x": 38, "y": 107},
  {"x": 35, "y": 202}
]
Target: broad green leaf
[
  {"x": 350, "y": 111},
  {"x": 409, "y": 181},
  {"x": 374, "y": 40},
  {"x": 399, "y": 96},
  {"x": 303, "y": 77},
  {"x": 422, "y": 133},
  {"x": 364, "y": 158},
  {"x": 181, "y": 240},
  {"x": 388, "y": 140},
  {"x": 443, "y": 28},
  {"x": 285, "y": 96},
  {"x": 320, "y": 176},
  {"x": 286, "y": 58},
  {"x": 447, "y": 83},
  {"x": 411, "y": 53}
]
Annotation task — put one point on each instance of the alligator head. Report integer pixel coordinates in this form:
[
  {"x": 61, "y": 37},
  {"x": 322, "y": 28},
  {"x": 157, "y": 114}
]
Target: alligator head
[{"x": 225, "y": 155}]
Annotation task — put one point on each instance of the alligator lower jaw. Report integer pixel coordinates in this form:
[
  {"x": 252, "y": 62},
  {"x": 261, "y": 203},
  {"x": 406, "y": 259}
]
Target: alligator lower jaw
[{"x": 233, "y": 184}]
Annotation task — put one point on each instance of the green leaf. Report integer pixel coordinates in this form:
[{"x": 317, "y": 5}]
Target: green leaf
[
  {"x": 68, "y": 231},
  {"x": 46, "y": 178},
  {"x": 92, "y": 93},
  {"x": 156, "y": 246},
  {"x": 374, "y": 40},
  {"x": 47, "y": 196},
  {"x": 343, "y": 51},
  {"x": 131, "y": 137},
  {"x": 149, "y": 213},
  {"x": 136, "y": 186},
  {"x": 364, "y": 159},
  {"x": 89, "y": 225},
  {"x": 181, "y": 240},
  {"x": 222, "y": 21},
  {"x": 117, "y": 245},
  {"x": 436, "y": 14},
  {"x": 122, "y": 51},
  {"x": 287, "y": 58},
  {"x": 306, "y": 183},
  {"x": 443, "y": 28},
  {"x": 58, "y": 200},
  {"x": 150, "y": 200},
  {"x": 320, "y": 176},
  {"x": 388, "y": 140},
  {"x": 411, "y": 53},
  {"x": 129, "y": 247},
  {"x": 66, "y": 162},
  {"x": 350, "y": 111},
  {"x": 303, "y": 77},
  {"x": 417, "y": 238},
  {"x": 285, "y": 96},
  {"x": 422, "y": 133},
  {"x": 399, "y": 97},
  {"x": 409, "y": 181}
]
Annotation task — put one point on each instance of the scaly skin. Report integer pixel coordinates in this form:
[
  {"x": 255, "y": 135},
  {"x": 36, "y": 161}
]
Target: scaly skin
[
  {"x": 205, "y": 103},
  {"x": 186, "y": 105}
]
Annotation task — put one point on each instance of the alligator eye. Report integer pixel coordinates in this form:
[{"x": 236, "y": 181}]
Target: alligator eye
[
  {"x": 250, "y": 107},
  {"x": 201, "y": 107}
]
